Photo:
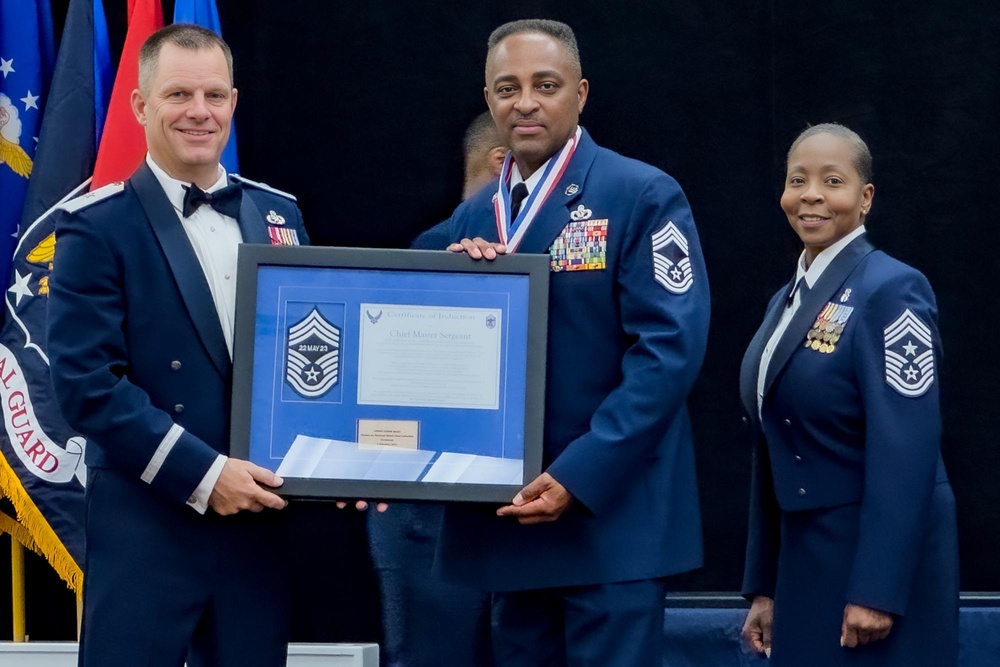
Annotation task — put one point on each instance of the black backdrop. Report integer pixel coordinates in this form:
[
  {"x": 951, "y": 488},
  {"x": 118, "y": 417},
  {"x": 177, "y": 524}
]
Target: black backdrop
[{"x": 359, "y": 108}]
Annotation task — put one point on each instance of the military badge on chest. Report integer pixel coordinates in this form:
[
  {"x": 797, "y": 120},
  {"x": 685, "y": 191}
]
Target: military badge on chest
[
  {"x": 582, "y": 245},
  {"x": 909, "y": 355},
  {"x": 312, "y": 360},
  {"x": 828, "y": 327},
  {"x": 279, "y": 234}
]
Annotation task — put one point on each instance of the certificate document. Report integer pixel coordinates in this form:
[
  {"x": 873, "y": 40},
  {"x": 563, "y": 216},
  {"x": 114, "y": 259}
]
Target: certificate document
[
  {"x": 446, "y": 357},
  {"x": 408, "y": 378}
]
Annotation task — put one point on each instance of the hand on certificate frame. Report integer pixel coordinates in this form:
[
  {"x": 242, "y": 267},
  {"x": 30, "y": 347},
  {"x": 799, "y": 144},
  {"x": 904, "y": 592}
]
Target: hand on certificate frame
[
  {"x": 541, "y": 501},
  {"x": 479, "y": 248},
  {"x": 362, "y": 505},
  {"x": 242, "y": 486}
]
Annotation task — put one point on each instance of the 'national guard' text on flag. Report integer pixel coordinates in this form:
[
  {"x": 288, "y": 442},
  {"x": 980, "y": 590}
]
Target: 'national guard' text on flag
[{"x": 41, "y": 459}]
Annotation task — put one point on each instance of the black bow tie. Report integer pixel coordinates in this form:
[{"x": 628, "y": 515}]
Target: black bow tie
[{"x": 226, "y": 201}]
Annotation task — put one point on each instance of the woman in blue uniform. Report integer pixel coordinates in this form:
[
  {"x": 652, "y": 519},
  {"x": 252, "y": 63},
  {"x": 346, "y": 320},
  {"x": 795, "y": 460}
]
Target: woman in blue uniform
[{"x": 852, "y": 552}]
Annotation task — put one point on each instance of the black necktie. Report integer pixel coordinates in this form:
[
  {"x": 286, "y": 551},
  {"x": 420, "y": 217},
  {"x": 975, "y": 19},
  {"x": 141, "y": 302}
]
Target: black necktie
[
  {"x": 226, "y": 201},
  {"x": 517, "y": 195},
  {"x": 802, "y": 286}
]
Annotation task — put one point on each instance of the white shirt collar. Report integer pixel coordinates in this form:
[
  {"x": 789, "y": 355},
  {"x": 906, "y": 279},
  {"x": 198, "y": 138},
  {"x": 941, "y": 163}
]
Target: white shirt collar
[
  {"x": 532, "y": 181},
  {"x": 824, "y": 258},
  {"x": 174, "y": 189}
]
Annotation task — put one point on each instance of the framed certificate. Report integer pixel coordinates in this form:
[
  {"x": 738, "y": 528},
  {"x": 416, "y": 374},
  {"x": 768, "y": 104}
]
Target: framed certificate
[{"x": 390, "y": 374}]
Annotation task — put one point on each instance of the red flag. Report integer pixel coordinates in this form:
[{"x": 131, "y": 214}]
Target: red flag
[{"x": 124, "y": 143}]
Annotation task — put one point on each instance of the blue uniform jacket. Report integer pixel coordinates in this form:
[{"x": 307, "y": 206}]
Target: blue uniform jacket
[
  {"x": 859, "y": 424},
  {"x": 137, "y": 351},
  {"x": 626, "y": 341}
]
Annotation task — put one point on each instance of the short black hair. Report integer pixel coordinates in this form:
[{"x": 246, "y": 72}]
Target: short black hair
[
  {"x": 862, "y": 156},
  {"x": 481, "y": 135},
  {"x": 556, "y": 29},
  {"x": 186, "y": 36}
]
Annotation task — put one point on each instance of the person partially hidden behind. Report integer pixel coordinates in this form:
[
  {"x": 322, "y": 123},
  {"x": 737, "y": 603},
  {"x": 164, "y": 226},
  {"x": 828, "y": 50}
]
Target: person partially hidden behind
[
  {"x": 852, "y": 556},
  {"x": 484, "y": 151},
  {"x": 576, "y": 562},
  {"x": 183, "y": 542},
  {"x": 428, "y": 622}
]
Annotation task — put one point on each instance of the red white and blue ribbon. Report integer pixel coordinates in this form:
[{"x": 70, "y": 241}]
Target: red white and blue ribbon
[{"x": 511, "y": 233}]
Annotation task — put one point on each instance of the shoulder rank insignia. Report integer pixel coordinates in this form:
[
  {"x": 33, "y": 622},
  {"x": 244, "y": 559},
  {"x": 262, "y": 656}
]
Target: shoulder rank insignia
[
  {"x": 100, "y": 194},
  {"x": 828, "y": 327},
  {"x": 671, "y": 259},
  {"x": 262, "y": 186},
  {"x": 909, "y": 355},
  {"x": 312, "y": 362}
]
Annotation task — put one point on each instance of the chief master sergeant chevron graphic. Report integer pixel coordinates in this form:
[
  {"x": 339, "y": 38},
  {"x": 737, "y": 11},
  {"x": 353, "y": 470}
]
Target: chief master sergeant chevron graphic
[
  {"x": 909, "y": 355},
  {"x": 313, "y": 359},
  {"x": 671, "y": 260}
]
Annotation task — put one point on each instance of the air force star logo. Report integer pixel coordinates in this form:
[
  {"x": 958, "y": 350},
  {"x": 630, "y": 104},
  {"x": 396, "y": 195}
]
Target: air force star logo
[
  {"x": 909, "y": 356},
  {"x": 671, "y": 259},
  {"x": 312, "y": 362}
]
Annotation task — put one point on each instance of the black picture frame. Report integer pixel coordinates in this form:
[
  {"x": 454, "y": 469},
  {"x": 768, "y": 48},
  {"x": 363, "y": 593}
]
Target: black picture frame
[{"x": 256, "y": 345}]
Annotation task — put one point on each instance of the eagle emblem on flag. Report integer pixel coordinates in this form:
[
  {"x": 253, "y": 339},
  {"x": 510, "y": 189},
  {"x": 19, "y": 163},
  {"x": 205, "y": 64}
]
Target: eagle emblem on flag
[
  {"x": 671, "y": 259},
  {"x": 312, "y": 362},
  {"x": 909, "y": 355}
]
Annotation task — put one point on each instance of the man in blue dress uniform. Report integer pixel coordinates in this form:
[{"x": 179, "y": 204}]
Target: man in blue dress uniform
[
  {"x": 181, "y": 561},
  {"x": 577, "y": 560}
]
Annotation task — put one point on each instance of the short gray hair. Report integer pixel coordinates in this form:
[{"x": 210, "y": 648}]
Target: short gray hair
[
  {"x": 186, "y": 36},
  {"x": 862, "y": 156},
  {"x": 556, "y": 29}
]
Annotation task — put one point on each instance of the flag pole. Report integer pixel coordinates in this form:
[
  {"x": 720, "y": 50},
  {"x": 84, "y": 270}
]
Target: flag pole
[
  {"x": 79, "y": 614},
  {"x": 17, "y": 587}
]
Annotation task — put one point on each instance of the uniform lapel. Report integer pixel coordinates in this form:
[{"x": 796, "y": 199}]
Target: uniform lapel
[
  {"x": 184, "y": 265},
  {"x": 831, "y": 280},
  {"x": 750, "y": 370},
  {"x": 251, "y": 222},
  {"x": 554, "y": 214}
]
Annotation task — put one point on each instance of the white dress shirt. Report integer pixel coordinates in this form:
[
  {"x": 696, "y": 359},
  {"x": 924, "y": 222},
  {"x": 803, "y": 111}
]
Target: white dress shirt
[
  {"x": 532, "y": 181},
  {"x": 812, "y": 274},
  {"x": 215, "y": 239}
]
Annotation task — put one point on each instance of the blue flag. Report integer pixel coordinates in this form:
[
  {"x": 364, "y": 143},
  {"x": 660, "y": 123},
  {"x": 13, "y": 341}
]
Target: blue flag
[
  {"x": 26, "y": 58},
  {"x": 205, "y": 14},
  {"x": 41, "y": 459}
]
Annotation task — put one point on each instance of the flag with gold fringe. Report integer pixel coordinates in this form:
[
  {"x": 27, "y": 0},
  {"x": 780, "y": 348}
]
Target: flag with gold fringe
[{"x": 42, "y": 470}]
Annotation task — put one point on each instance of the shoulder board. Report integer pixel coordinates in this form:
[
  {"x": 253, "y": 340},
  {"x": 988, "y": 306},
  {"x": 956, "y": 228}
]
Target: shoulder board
[
  {"x": 262, "y": 186},
  {"x": 100, "y": 194}
]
